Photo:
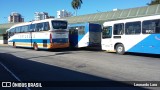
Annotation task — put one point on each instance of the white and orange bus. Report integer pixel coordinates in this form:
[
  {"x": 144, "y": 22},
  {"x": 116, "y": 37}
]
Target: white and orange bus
[{"x": 42, "y": 34}]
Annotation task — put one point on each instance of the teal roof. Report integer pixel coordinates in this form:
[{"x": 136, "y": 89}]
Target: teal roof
[
  {"x": 117, "y": 15},
  {"x": 105, "y": 16},
  {"x": 4, "y": 27}
]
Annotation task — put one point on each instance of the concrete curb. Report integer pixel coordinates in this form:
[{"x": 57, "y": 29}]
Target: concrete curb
[{"x": 3, "y": 44}]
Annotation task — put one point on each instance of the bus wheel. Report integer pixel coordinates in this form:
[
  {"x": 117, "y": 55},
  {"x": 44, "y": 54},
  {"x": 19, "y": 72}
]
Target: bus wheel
[
  {"x": 35, "y": 46},
  {"x": 120, "y": 49},
  {"x": 14, "y": 45}
]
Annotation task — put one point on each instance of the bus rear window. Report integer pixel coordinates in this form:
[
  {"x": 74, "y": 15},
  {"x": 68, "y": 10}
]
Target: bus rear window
[{"x": 59, "y": 24}]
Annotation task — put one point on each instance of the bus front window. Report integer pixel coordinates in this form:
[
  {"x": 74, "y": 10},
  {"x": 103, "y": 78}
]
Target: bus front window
[
  {"x": 59, "y": 24},
  {"x": 107, "y": 32}
]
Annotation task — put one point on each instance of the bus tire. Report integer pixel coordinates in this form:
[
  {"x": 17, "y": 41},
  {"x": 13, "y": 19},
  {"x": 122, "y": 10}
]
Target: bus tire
[
  {"x": 35, "y": 47},
  {"x": 120, "y": 49},
  {"x": 14, "y": 44}
]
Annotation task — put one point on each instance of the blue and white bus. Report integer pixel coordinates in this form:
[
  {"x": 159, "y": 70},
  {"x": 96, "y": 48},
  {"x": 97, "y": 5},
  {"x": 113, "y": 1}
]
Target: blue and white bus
[
  {"x": 84, "y": 35},
  {"x": 140, "y": 35},
  {"x": 42, "y": 34}
]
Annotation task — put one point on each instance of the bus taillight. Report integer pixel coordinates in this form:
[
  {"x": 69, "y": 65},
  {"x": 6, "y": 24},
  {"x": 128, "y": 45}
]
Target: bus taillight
[{"x": 50, "y": 38}]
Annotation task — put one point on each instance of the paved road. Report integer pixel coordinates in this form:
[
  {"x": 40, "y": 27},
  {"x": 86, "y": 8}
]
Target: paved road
[{"x": 77, "y": 65}]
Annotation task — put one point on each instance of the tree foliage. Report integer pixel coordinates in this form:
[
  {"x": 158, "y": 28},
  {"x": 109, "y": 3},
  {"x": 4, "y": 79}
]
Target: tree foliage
[
  {"x": 153, "y": 2},
  {"x": 76, "y": 4}
]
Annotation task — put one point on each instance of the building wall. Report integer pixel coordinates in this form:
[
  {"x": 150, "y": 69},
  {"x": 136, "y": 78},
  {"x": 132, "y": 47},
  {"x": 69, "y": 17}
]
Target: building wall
[
  {"x": 3, "y": 42},
  {"x": 40, "y": 15},
  {"x": 63, "y": 13},
  {"x": 15, "y": 17},
  {"x": 3, "y": 39}
]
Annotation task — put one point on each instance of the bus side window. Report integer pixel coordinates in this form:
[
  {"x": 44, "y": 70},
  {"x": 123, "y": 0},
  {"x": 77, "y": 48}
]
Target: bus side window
[
  {"x": 32, "y": 27},
  {"x": 46, "y": 26},
  {"x": 118, "y": 29},
  {"x": 133, "y": 28},
  {"x": 151, "y": 26},
  {"x": 9, "y": 33},
  {"x": 16, "y": 30},
  {"x": 157, "y": 26},
  {"x": 12, "y": 31},
  {"x": 107, "y": 32},
  {"x": 81, "y": 30},
  {"x": 22, "y": 29},
  {"x": 26, "y": 28},
  {"x": 73, "y": 30},
  {"x": 39, "y": 27}
]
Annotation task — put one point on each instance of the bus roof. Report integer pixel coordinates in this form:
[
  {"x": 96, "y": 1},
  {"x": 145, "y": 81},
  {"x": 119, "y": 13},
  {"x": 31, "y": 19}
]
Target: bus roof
[
  {"x": 108, "y": 23},
  {"x": 38, "y": 21},
  {"x": 116, "y": 15},
  {"x": 48, "y": 20}
]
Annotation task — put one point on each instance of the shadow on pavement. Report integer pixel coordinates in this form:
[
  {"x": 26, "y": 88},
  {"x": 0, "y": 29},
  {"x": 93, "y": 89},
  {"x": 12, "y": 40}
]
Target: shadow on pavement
[
  {"x": 77, "y": 49},
  {"x": 144, "y": 55},
  {"x": 57, "y": 78}
]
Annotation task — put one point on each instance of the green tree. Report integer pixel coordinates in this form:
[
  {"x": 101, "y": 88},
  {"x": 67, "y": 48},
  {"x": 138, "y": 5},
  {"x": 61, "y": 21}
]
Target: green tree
[
  {"x": 76, "y": 4},
  {"x": 153, "y": 2}
]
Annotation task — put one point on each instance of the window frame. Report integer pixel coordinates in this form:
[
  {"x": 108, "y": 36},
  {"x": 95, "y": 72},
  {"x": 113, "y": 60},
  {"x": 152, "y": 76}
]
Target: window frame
[
  {"x": 81, "y": 30},
  {"x": 59, "y": 22},
  {"x": 119, "y": 32},
  {"x": 44, "y": 26},
  {"x": 134, "y": 29},
  {"x": 108, "y": 35},
  {"x": 73, "y": 31},
  {"x": 150, "y": 31}
]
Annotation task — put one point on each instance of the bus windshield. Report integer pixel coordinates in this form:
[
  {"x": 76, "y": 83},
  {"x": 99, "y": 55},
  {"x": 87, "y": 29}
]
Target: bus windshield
[{"x": 59, "y": 24}]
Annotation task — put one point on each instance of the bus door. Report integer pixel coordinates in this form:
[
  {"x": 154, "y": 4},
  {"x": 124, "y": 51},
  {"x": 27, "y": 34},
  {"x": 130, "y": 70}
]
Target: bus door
[
  {"x": 107, "y": 38},
  {"x": 73, "y": 36},
  {"x": 83, "y": 35},
  {"x": 94, "y": 35}
]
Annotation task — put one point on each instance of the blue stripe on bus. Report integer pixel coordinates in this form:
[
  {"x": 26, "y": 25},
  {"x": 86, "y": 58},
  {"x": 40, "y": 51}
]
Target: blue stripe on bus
[
  {"x": 151, "y": 45},
  {"x": 59, "y": 40}
]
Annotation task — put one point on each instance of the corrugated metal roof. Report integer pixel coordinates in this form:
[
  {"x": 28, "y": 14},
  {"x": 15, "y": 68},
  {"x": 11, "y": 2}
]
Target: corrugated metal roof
[
  {"x": 4, "y": 27},
  {"x": 119, "y": 14},
  {"x": 7, "y": 25},
  {"x": 2, "y": 31},
  {"x": 106, "y": 16}
]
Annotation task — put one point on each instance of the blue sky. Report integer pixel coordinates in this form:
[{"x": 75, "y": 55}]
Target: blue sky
[{"x": 27, "y": 7}]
